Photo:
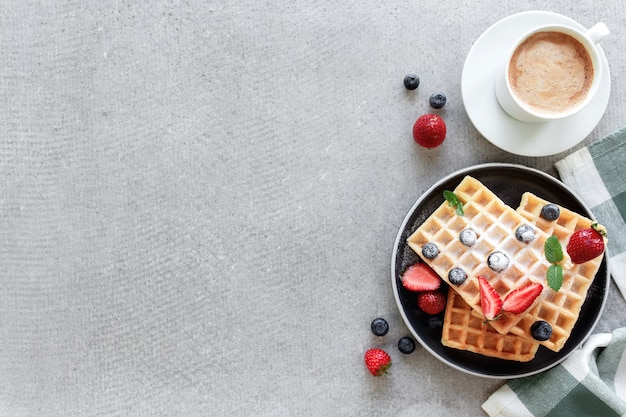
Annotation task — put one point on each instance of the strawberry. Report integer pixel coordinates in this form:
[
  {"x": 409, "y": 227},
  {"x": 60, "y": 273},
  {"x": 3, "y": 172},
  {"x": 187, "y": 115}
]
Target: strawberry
[
  {"x": 420, "y": 277},
  {"x": 429, "y": 130},
  {"x": 586, "y": 244},
  {"x": 431, "y": 302},
  {"x": 520, "y": 299},
  {"x": 377, "y": 361},
  {"x": 490, "y": 300}
]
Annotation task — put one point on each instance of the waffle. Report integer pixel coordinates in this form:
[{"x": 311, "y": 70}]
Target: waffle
[
  {"x": 559, "y": 308},
  {"x": 495, "y": 224},
  {"x": 464, "y": 330}
]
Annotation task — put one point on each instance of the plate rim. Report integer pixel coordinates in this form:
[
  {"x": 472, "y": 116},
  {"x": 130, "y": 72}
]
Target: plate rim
[{"x": 402, "y": 228}]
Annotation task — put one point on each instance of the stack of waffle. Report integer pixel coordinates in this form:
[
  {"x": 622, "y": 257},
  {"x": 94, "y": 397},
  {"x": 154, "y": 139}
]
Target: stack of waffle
[{"x": 494, "y": 224}]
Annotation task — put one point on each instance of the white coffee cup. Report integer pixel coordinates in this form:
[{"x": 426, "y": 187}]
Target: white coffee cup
[{"x": 552, "y": 72}]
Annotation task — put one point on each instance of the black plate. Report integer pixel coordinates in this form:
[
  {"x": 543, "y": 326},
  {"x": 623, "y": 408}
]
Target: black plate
[{"x": 508, "y": 182}]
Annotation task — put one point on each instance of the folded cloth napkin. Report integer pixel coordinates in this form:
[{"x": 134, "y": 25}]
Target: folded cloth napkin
[
  {"x": 591, "y": 382},
  {"x": 597, "y": 174}
]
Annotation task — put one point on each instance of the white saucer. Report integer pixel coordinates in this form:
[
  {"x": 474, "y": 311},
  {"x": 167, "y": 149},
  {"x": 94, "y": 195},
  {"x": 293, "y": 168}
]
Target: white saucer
[{"x": 483, "y": 109}]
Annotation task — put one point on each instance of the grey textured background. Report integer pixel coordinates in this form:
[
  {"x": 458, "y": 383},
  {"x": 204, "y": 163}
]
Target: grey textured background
[{"x": 199, "y": 200}]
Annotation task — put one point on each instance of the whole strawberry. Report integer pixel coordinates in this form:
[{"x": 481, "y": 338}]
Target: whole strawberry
[
  {"x": 429, "y": 130},
  {"x": 586, "y": 244},
  {"x": 377, "y": 361},
  {"x": 431, "y": 302}
]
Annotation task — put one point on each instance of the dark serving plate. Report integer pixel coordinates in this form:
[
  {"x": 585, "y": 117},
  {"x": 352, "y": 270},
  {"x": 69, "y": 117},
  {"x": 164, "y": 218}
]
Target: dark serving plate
[{"x": 508, "y": 182}]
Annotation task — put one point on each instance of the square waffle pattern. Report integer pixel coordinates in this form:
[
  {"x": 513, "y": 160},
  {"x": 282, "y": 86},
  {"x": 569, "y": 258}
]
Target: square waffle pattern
[
  {"x": 495, "y": 224},
  {"x": 464, "y": 330},
  {"x": 559, "y": 308}
]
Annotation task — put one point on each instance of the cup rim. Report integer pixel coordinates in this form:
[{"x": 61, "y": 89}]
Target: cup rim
[{"x": 593, "y": 52}]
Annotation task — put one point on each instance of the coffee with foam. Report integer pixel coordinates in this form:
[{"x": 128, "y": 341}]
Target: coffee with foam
[{"x": 551, "y": 72}]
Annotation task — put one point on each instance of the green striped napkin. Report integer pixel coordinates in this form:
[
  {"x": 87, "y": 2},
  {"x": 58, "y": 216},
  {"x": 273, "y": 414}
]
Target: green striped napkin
[
  {"x": 591, "y": 382},
  {"x": 597, "y": 174}
]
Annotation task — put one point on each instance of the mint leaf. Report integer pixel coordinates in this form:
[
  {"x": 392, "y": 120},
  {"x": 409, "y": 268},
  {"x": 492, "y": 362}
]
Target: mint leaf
[
  {"x": 555, "y": 276},
  {"x": 553, "y": 250},
  {"x": 454, "y": 201},
  {"x": 554, "y": 254}
]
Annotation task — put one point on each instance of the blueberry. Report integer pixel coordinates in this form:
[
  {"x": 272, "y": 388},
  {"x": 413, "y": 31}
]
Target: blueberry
[
  {"x": 457, "y": 276},
  {"x": 468, "y": 237},
  {"x": 406, "y": 345},
  {"x": 550, "y": 212},
  {"x": 498, "y": 261},
  {"x": 541, "y": 330},
  {"x": 430, "y": 251},
  {"x": 380, "y": 327},
  {"x": 435, "y": 322},
  {"x": 525, "y": 233},
  {"x": 437, "y": 100},
  {"x": 411, "y": 81}
]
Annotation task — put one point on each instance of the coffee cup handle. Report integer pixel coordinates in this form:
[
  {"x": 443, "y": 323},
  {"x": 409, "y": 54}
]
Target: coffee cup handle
[{"x": 597, "y": 32}]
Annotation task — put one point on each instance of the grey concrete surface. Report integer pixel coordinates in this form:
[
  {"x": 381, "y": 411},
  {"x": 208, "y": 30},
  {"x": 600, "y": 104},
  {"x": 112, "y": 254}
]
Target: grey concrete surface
[{"x": 198, "y": 200}]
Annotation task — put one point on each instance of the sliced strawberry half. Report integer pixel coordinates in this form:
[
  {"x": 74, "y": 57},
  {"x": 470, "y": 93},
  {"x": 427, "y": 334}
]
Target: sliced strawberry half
[
  {"x": 520, "y": 299},
  {"x": 420, "y": 277},
  {"x": 490, "y": 300}
]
